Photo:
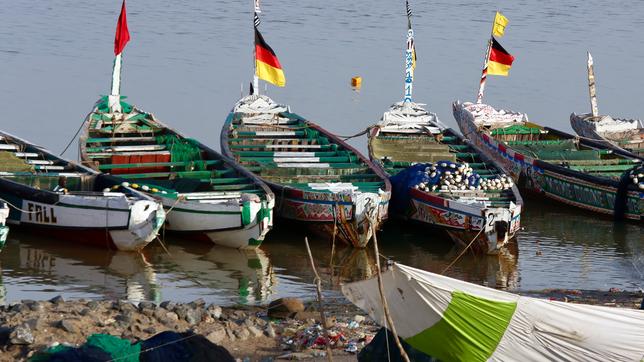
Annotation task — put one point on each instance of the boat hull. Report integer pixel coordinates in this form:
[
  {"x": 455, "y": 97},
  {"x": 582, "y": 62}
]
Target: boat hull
[
  {"x": 351, "y": 217},
  {"x": 484, "y": 230},
  {"x": 240, "y": 225},
  {"x": 4, "y": 229},
  {"x": 557, "y": 183},
  {"x": 628, "y": 141},
  {"x": 120, "y": 225}
]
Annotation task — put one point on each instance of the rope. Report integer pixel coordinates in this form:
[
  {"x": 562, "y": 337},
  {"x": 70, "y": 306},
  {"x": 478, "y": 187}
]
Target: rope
[
  {"x": 75, "y": 134},
  {"x": 463, "y": 252},
  {"x": 345, "y": 138},
  {"x": 21, "y": 210},
  {"x": 153, "y": 348}
]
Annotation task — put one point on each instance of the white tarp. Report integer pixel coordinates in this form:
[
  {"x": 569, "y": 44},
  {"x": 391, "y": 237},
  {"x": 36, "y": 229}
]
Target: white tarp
[{"x": 537, "y": 330}]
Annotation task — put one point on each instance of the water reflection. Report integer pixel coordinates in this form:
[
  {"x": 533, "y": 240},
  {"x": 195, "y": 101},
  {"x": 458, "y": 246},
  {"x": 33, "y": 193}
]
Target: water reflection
[
  {"x": 559, "y": 248},
  {"x": 39, "y": 268}
]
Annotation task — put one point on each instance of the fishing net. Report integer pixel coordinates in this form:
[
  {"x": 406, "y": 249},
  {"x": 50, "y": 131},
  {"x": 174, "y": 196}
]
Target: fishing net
[
  {"x": 11, "y": 163},
  {"x": 183, "y": 150}
]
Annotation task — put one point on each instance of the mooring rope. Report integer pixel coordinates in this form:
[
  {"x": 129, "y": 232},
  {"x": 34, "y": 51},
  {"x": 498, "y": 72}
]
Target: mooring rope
[
  {"x": 345, "y": 138},
  {"x": 75, "y": 135}
]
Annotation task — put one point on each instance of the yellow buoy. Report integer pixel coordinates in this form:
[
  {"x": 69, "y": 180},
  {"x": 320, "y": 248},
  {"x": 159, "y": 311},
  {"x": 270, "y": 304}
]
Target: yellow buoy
[
  {"x": 356, "y": 82},
  {"x": 135, "y": 186}
]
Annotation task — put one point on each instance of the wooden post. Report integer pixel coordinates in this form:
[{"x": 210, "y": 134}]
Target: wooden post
[
  {"x": 591, "y": 87},
  {"x": 385, "y": 306},
  {"x": 318, "y": 284}
]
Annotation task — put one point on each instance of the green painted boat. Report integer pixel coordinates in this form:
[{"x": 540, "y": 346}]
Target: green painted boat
[
  {"x": 204, "y": 193},
  {"x": 317, "y": 178},
  {"x": 575, "y": 171}
]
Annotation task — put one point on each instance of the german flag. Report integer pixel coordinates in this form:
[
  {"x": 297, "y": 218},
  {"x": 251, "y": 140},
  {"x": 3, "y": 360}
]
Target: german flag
[
  {"x": 267, "y": 66},
  {"x": 500, "y": 60}
]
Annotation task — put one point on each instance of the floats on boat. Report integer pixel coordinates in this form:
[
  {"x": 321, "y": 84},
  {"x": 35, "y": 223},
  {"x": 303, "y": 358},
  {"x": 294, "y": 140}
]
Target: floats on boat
[
  {"x": 452, "y": 320},
  {"x": 578, "y": 172},
  {"x": 69, "y": 201},
  {"x": 622, "y": 133},
  {"x": 4, "y": 229},
  {"x": 316, "y": 177},
  {"x": 204, "y": 193},
  {"x": 439, "y": 178}
]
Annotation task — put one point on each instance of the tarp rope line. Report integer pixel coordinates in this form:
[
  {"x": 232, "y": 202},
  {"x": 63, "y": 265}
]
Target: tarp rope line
[
  {"x": 75, "y": 135},
  {"x": 153, "y": 348}
]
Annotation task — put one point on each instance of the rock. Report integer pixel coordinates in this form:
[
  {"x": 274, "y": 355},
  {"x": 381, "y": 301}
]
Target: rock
[
  {"x": 217, "y": 335},
  {"x": 57, "y": 300},
  {"x": 21, "y": 335},
  {"x": 255, "y": 332},
  {"x": 199, "y": 303},
  {"x": 5, "y": 332},
  {"x": 150, "y": 330},
  {"x": 19, "y": 308},
  {"x": 242, "y": 333},
  {"x": 170, "y": 318},
  {"x": 124, "y": 318},
  {"x": 181, "y": 311},
  {"x": 145, "y": 305},
  {"x": 34, "y": 306},
  {"x": 230, "y": 334},
  {"x": 168, "y": 305},
  {"x": 125, "y": 306},
  {"x": 68, "y": 326},
  {"x": 93, "y": 305},
  {"x": 33, "y": 323},
  {"x": 193, "y": 316},
  {"x": 84, "y": 312},
  {"x": 285, "y": 307},
  {"x": 106, "y": 322},
  {"x": 270, "y": 331},
  {"x": 359, "y": 318},
  {"x": 214, "y": 311},
  {"x": 306, "y": 315}
]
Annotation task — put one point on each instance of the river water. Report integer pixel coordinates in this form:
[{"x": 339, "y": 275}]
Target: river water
[{"x": 187, "y": 61}]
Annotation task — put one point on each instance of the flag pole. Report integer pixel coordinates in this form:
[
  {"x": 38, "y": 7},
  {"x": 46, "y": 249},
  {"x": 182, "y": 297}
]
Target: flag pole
[
  {"x": 479, "y": 97},
  {"x": 256, "y": 11},
  {"x": 409, "y": 59},
  {"x": 114, "y": 99},
  {"x": 591, "y": 87}
]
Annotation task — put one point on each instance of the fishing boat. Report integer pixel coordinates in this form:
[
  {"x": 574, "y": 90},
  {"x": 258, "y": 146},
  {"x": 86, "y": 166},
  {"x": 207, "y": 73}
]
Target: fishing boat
[
  {"x": 626, "y": 134},
  {"x": 4, "y": 229},
  {"x": 317, "y": 178},
  {"x": 568, "y": 169},
  {"x": 205, "y": 195},
  {"x": 54, "y": 196},
  {"x": 453, "y": 320},
  {"x": 440, "y": 179},
  {"x": 576, "y": 171}
]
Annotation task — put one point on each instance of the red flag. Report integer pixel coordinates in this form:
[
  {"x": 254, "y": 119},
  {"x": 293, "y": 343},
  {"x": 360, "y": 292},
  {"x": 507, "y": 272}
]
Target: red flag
[{"x": 122, "y": 34}]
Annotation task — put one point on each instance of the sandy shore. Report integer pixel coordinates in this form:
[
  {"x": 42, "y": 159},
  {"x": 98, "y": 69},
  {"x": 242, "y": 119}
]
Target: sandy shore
[{"x": 248, "y": 333}]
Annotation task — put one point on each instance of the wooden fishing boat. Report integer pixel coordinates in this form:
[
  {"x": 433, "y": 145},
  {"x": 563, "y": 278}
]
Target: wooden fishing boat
[
  {"x": 429, "y": 165},
  {"x": 204, "y": 193},
  {"x": 60, "y": 198},
  {"x": 453, "y": 320},
  {"x": 4, "y": 229},
  {"x": 578, "y": 172},
  {"x": 316, "y": 177},
  {"x": 626, "y": 134},
  {"x": 439, "y": 178}
]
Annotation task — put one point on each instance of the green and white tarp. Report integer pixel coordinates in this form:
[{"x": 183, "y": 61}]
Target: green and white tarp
[{"x": 454, "y": 320}]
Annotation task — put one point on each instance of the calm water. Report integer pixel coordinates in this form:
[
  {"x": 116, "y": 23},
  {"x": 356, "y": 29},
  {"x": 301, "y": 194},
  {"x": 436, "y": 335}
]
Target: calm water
[
  {"x": 187, "y": 60},
  {"x": 558, "y": 249}
]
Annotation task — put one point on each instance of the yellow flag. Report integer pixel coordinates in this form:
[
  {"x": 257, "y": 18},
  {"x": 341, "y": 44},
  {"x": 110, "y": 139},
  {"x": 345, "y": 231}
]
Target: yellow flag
[{"x": 500, "y": 22}]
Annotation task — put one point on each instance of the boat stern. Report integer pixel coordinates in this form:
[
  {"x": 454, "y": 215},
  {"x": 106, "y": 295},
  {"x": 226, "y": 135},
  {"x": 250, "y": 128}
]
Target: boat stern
[
  {"x": 145, "y": 221},
  {"x": 501, "y": 226}
]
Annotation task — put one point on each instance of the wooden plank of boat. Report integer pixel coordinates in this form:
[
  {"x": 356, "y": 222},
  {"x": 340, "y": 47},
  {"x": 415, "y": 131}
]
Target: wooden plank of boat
[
  {"x": 26, "y": 154},
  {"x": 133, "y": 148},
  {"x": 7, "y": 147},
  {"x": 119, "y": 139}
]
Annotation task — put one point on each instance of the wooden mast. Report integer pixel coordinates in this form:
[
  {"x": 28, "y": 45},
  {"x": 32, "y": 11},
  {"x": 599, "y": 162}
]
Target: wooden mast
[
  {"x": 479, "y": 97},
  {"x": 591, "y": 87},
  {"x": 256, "y": 13},
  {"x": 409, "y": 59}
]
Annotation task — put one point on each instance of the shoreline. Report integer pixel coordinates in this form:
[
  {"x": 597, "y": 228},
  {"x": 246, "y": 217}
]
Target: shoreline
[{"x": 250, "y": 333}]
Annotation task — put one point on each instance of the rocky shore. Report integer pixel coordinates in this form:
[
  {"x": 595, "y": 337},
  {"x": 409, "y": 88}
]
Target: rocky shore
[{"x": 286, "y": 329}]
